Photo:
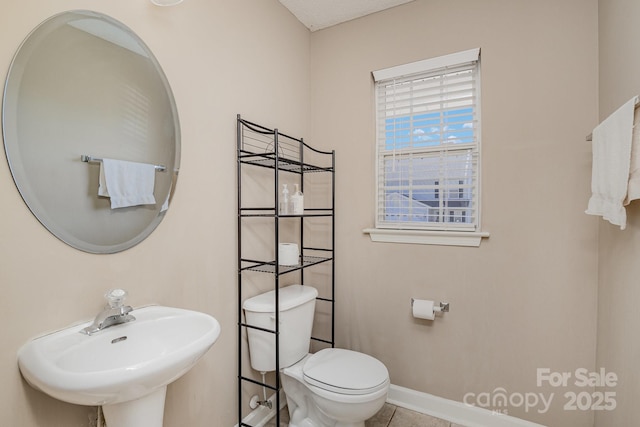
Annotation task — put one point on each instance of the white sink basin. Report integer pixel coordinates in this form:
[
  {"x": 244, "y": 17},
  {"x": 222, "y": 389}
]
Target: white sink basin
[{"x": 121, "y": 363}]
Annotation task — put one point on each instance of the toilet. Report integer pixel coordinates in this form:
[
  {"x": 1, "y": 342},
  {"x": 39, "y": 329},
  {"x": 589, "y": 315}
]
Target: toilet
[{"x": 331, "y": 388}]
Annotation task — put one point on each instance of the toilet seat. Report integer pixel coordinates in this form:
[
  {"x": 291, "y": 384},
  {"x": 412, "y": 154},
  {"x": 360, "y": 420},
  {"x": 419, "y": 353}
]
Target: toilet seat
[{"x": 345, "y": 372}]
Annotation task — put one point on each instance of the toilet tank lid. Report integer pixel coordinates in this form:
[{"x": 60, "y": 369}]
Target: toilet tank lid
[{"x": 290, "y": 296}]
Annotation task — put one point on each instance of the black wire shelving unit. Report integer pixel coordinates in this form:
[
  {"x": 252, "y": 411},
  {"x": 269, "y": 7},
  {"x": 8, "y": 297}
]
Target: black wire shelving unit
[{"x": 262, "y": 147}]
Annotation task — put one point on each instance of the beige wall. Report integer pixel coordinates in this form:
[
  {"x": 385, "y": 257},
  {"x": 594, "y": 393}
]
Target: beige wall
[
  {"x": 619, "y": 251},
  {"x": 525, "y": 299},
  {"x": 221, "y": 58}
]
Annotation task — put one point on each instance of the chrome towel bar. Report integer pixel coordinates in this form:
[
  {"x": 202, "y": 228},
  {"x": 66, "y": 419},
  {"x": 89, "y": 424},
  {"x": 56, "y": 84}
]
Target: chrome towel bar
[{"x": 91, "y": 159}]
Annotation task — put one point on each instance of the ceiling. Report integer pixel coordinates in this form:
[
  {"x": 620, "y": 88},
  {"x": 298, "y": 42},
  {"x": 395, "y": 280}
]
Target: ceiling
[{"x": 319, "y": 14}]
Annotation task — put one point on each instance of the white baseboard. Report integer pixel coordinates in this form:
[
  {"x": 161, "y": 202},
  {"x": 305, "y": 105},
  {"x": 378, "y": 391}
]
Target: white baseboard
[{"x": 450, "y": 410}]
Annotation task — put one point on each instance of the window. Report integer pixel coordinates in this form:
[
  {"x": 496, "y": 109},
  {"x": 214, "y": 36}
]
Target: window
[{"x": 428, "y": 145}]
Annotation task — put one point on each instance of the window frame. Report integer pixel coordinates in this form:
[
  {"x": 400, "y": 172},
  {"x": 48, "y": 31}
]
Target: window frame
[{"x": 408, "y": 232}]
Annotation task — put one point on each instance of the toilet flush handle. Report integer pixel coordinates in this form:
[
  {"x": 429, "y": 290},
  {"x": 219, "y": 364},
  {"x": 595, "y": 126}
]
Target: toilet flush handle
[{"x": 273, "y": 317}]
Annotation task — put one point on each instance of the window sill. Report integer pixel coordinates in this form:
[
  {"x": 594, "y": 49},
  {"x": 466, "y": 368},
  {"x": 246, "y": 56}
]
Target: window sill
[{"x": 426, "y": 237}]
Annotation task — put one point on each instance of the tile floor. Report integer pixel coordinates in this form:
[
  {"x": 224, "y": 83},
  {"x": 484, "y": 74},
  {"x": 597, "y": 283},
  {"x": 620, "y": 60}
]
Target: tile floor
[{"x": 388, "y": 416}]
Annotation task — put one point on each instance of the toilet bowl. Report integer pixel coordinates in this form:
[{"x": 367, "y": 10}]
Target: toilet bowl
[
  {"x": 334, "y": 387},
  {"x": 331, "y": 388}
]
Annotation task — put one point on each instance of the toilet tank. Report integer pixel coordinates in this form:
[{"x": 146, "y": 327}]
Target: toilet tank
[{"x": 297, "y": 307}]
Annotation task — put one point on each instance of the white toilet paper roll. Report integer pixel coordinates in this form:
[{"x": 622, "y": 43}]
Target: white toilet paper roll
[
  {"x": 423, "y": 309},
  {"x": 288, "y": 254}
]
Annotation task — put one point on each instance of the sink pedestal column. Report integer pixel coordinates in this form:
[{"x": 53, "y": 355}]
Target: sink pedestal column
[{"x": 146, "y": 411}]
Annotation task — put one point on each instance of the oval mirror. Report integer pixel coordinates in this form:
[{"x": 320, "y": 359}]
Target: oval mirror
[{"x": 83, "y": 86}]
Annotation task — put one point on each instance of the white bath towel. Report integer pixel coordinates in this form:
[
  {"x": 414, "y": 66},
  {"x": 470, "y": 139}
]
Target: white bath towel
[
  {"x": 611, "y": 165},
  {"x": 127, "y": 183}
]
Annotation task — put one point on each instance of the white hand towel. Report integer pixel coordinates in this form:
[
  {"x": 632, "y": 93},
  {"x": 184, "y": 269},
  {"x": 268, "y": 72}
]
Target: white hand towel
[
  {"x": 611, "y": 164},
  {"x": 127, "y": 183}
]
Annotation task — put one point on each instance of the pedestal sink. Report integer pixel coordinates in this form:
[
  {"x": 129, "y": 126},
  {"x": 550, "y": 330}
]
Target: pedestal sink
[{"x": 124, "y": 368}]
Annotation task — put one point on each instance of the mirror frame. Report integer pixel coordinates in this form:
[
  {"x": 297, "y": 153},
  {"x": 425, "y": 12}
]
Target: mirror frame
[{"x": 133, "y": 223}]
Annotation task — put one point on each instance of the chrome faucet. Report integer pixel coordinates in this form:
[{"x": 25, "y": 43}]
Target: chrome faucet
[{"x": 114, "y": 313}]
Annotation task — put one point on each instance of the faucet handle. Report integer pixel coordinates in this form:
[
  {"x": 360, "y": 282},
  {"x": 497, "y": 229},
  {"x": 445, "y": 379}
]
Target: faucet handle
[{"x": 116, "y": 297}]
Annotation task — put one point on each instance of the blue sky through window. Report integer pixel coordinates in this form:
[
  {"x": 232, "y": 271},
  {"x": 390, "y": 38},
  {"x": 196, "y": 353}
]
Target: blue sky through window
[{"x": 430, "y": 129}]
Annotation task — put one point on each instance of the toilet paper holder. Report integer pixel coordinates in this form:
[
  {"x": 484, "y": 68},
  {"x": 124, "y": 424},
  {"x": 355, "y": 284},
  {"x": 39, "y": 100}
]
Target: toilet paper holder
[{"x": 442, "y": 306}]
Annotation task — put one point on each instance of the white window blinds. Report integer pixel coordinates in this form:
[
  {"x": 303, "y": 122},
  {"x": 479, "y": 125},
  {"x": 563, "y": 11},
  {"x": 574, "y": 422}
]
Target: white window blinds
[{"x": 428, "y": 144}]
